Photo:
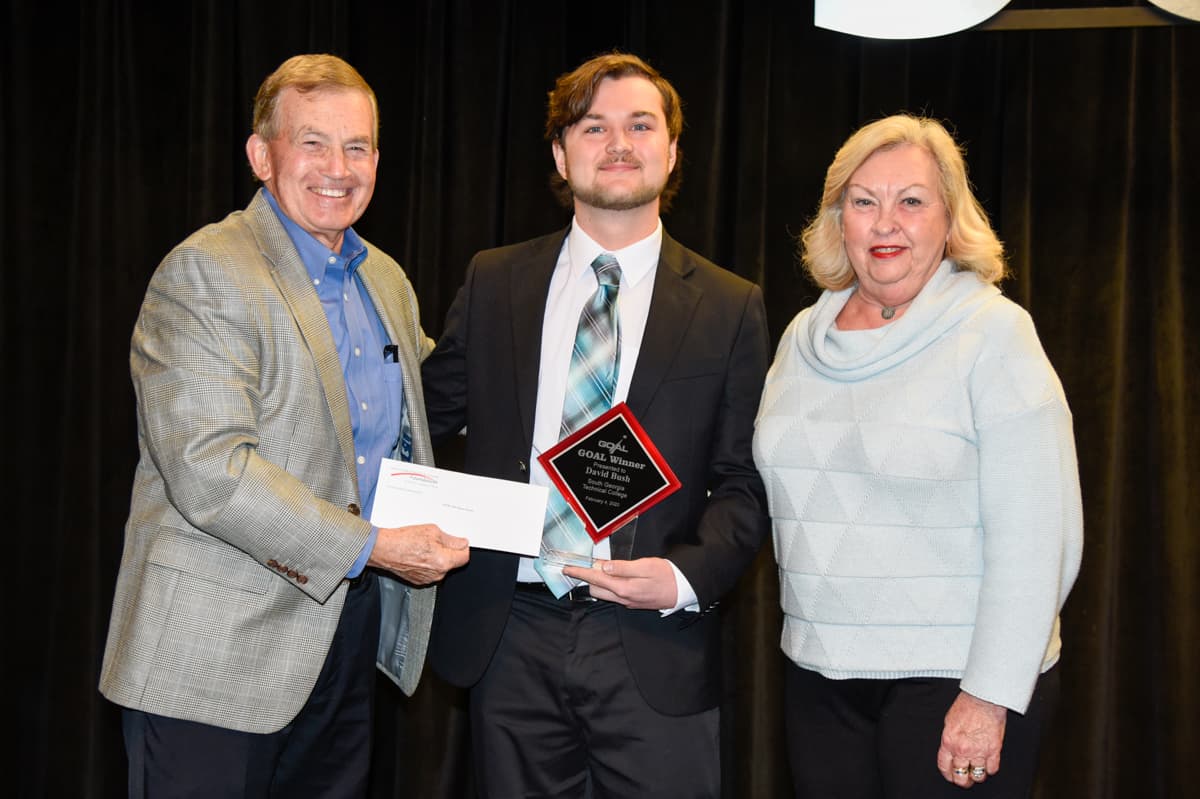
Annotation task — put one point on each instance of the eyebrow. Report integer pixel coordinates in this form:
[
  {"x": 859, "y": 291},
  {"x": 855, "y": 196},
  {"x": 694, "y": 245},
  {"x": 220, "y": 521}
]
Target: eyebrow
[
  {"x": 308, "y": 130},
  {"x": 901, "y": 191},
  {"x": 633, "y": 115}
]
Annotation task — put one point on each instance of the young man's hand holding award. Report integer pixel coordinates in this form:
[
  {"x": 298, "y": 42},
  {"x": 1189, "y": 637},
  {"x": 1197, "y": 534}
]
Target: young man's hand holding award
[{"x": 609, "y": 472}]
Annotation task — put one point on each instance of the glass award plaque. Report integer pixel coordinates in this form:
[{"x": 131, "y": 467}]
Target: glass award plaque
[{"x": 609, "y": 471}]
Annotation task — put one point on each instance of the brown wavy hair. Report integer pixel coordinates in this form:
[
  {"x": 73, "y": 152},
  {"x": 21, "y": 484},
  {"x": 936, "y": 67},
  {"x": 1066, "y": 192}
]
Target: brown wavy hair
[{"x": 574, "y": 93}]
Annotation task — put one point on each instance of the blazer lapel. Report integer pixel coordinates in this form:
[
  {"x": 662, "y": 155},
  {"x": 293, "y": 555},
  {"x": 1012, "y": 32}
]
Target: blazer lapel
[
  {"x": 394, "y": 306},
  {"x": 671, "y": 308},
  {"x": 293, "y": 281},
  {"x": 528, "y": 289},
  {"x": 406, "y": 612}
]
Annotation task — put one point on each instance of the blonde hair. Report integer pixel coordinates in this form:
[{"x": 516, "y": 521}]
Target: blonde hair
[
  {"x": 308, "y": 73},
  {"x": 972, "y": 243}
]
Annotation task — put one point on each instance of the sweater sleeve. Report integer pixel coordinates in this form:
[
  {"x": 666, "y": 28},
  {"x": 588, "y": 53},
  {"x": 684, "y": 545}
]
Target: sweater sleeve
[{"x": 1030, "y": 510}]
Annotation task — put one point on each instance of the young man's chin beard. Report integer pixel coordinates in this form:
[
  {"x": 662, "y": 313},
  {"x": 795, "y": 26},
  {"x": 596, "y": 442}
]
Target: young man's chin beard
[{"x": 612, "y": 201}]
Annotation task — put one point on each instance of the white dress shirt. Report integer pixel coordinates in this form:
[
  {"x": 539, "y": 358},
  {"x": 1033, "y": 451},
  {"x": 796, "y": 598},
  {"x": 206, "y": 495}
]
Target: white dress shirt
[{"x": 571, "y": 286}]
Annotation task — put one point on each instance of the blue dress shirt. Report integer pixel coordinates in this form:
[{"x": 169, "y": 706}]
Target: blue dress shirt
[{"x": 372, "y": 372}]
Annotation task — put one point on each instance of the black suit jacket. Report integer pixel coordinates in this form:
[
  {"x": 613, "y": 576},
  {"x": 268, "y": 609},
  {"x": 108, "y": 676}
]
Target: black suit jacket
[{"x": 695, "y": 390}]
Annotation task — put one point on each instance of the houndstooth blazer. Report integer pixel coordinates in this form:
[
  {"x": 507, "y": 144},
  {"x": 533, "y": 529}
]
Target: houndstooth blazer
[{"x": 243, "y": 520}]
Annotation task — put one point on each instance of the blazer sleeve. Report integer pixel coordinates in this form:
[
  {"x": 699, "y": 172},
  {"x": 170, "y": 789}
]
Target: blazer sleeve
[
  {"x": 231, "y": 411},
  {"x": 734, "y": 523}
]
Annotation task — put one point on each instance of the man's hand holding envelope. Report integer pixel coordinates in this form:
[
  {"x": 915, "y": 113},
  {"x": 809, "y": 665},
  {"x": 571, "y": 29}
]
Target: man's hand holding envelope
[{"x": 489, "y": 513}]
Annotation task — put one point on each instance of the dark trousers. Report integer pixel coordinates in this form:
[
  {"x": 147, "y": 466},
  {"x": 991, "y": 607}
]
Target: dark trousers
[
  {"x": 558, "y": 714},
  {"x": 324, "y": 752},
  {"x": 861, "y": 739}
]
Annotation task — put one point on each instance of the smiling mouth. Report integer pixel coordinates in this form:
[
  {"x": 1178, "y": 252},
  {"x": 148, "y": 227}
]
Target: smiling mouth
[
  {"x": 336, "y": 194},
  {"x": 885, "y": 250}
]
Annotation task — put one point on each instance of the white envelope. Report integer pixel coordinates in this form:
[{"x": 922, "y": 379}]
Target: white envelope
[{"x": 490, "y": 513}]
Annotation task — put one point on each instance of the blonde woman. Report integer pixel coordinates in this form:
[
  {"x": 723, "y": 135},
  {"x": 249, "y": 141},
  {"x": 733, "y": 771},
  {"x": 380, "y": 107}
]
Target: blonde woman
[{"x": 920, "y": 467}]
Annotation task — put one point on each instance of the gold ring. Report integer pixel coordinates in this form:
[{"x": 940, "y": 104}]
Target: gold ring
[{"x": 961, "y": 771}]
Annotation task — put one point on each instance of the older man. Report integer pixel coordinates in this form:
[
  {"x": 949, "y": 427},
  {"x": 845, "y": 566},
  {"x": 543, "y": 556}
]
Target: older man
[{"x": 276, "y": 360}]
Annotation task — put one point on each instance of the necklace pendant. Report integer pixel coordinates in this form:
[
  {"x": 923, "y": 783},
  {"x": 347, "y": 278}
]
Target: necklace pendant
[{"x": 887, "y": 312}]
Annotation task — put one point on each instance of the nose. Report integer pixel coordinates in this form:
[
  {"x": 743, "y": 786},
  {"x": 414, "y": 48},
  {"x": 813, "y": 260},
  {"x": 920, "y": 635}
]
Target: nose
[
  {"x": 618, "y": 142},
  {"x": 885, "y": 219},
  {"x": 335, "y": 164}
]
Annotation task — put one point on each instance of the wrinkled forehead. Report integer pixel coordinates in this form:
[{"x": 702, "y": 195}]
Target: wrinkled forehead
[{"x": 328, "y": 107}]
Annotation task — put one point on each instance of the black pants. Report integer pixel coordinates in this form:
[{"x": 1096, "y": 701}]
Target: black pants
[
  {"x": 861, "y": 739},
  {"x": 558, "y": 714},
  {"x": 324, "y": 752}
]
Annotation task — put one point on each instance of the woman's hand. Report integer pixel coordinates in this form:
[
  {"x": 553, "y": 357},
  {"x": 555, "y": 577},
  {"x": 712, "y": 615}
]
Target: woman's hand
[{"x": 971, "y": 740}]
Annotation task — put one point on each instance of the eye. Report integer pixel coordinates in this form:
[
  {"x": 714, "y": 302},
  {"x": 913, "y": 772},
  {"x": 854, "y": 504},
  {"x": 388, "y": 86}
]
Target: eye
[
  {"x": 639, "y": 126},
  {"x": 861, "y": 202},
  {"x": 593, "y": 129},
  {"x": 912, "y": 202}
]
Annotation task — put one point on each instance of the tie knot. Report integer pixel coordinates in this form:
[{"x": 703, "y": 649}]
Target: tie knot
[{"x": 608, "y": 271}]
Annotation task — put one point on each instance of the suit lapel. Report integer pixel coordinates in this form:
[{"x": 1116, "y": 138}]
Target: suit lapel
[
  {"x": 394, "y": 306},
  {"x": 406, "y": 612},
  {"x": 529, "y": 286},
  {"x": 294, "y": 283},
  {"x": 671, "y": 308}
]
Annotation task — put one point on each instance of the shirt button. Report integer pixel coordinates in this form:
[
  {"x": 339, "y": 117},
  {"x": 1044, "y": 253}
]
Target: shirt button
[
  {"x": 361, "y": 460},
  {"x": 357, "y": 352},
  {"x": 346, "y": 297},
  {"x": 332, "y": 260},
  {"x": 316, "y": 281},
  {"x": 364, "y": 406}
]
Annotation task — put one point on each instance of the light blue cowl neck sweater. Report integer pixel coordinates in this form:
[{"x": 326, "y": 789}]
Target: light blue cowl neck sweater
[{"x": 924, "y": 492}]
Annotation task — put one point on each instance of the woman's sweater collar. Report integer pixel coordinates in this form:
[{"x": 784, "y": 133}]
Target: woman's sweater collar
[{"x": 945, "y": 301}]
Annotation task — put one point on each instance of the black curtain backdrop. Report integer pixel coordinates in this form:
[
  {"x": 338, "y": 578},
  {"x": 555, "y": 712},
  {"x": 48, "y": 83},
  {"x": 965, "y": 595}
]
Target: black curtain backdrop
[{"x": 122, "y": 126}]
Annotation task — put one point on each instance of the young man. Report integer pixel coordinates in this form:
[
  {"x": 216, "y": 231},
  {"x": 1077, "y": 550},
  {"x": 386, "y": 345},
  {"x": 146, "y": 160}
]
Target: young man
[
  {"x": 615, "y": 683},
  {"x": 276, "y": 360}
]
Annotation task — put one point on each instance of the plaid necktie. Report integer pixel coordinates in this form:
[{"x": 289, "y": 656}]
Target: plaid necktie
[{"x": 591, "y": 384}]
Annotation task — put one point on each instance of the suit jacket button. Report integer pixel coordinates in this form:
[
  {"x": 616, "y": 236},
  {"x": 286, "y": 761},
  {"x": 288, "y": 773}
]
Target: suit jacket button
[
  {"x": 302, "y": 579},
  {"x": 274, "y": 564},
  {"x": 353, "y": 508},
  {"x": 292, "y": 573}
]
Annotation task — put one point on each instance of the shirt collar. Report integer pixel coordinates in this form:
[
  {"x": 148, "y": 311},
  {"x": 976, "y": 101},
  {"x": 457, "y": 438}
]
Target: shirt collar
[
  {"x": 313, "y": 253},
  {"x": 637, "y": 260}
]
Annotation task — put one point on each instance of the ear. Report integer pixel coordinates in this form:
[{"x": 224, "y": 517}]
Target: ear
[
  {"x": 258, "y": 156},
  {"x": 560, "y": 157},
  {"x": 672, "y": 150}
]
